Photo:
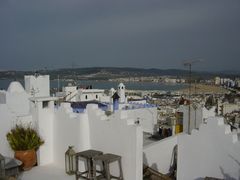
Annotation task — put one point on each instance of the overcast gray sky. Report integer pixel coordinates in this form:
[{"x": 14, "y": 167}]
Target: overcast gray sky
[{"x": 123, "y": 33}]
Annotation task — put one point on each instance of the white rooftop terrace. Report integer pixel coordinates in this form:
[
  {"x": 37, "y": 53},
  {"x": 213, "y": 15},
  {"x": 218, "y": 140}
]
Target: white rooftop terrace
[{"x": 47, "y": 172}]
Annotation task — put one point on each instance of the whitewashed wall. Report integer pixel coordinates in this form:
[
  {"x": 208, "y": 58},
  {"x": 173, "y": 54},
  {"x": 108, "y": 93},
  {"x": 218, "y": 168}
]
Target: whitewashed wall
[
  {"x": 6, "y": 118},
  {"x": 211, "y": 151},
  {"x": 105, "y": 98},
  {"x": 41, "y": 85},
  {"x": 158, "y": 155},
  {"x": 113, "y": 135},
  {"x": 18, "y": 103},
  {"x": 92, "y": 129},
  {"x": 45, "y": 119},
  {"x": 70, "y": 129},
  {"x": 2, "y": 97},
  {"x": 207, "y": 113},
  {"x": 14, "y": 110},
  {"x": 70, "y": 93},
  {"x": 92, "y": 94},
  {"x": 146, "y": 116},
  {"x": 197, "y": 116}
]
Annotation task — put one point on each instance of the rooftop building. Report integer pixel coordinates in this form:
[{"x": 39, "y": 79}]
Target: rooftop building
[{"x": 212, "y": 150}]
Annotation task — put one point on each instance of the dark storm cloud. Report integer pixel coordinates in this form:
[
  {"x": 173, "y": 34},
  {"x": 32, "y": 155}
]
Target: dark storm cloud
[{"x": 136, "y": 33}]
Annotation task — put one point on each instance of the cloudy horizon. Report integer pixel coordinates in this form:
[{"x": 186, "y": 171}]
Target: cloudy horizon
[{"x": 130, "y": 33}]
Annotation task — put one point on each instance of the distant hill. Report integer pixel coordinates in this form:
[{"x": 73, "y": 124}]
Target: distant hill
[{"x": 113, "y": 72}]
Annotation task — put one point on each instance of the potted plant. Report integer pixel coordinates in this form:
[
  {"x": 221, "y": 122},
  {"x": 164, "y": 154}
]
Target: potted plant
[{"x": 24, "y": 141}]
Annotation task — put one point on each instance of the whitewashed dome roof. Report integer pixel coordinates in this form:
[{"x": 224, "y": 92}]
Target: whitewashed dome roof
[
  {"x": 14, "y": 87},
  {"x": 121, "y": 85}
]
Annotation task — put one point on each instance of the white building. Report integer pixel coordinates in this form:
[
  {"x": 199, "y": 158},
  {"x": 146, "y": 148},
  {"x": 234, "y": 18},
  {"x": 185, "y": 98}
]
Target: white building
[
  {"x": 69, "y": 93},
  {"x": 225, "y": 108},
  {"x": 37, "y": 85},
  {"x": 198, "y": 115},
  {"x": 74, "y": 94},
  {"x": 121, "y": 93},
  {"x": 61, "y": 126},
  {"x": 217, "y": 81},
  {"x": 213, "y": 150},
  {"x": 237, "y": 82},
  {"x": 16, "y": 98},
  {"x": 90, "y": 95}
]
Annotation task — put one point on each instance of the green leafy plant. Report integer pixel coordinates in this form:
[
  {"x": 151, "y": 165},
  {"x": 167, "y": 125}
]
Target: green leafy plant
[{"x": 23, "y": 138}]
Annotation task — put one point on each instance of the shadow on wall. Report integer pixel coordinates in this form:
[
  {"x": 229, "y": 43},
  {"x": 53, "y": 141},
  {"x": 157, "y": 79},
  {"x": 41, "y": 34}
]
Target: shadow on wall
[
  {"x": 209, "y": 178},
  {"x": 145, "y": 162},
  {"x": 226, "y": 175},
  {"x": 173, "y": 163},
  {"x": 145, "y": 159}
]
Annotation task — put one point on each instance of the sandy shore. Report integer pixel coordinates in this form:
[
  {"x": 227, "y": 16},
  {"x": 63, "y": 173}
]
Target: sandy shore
[{"x": 203, "y": 88}]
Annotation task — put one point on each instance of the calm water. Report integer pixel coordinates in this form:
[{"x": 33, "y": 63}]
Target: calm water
[{"x": 107, "y": 85}]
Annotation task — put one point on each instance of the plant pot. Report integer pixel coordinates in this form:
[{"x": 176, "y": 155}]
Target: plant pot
[{"x": 28, "y": 158}]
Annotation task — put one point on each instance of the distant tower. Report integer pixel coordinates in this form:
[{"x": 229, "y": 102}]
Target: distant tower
[
  {"x": 115, "y": 98},
  {"x": 111, "y": 93},
  {"x": 37, "y": 85},
  {"x": 121, "y": 92}
]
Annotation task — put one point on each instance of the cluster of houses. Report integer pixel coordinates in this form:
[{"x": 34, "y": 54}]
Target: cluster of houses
[
  {"x": 107, "y": 121},
  {"x": 227, "y": 82}
]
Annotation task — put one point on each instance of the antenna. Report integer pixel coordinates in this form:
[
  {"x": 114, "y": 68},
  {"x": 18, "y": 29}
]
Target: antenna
[
  {"x": 189, "y": 64},
  {"x": 36, "y": 74},
  {"x": 58, "y": 83},
  {"x": 74, "y": 65},
  {"x": 34, "y": 91}
]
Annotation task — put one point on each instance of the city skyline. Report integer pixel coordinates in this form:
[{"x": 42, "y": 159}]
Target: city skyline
[{"x": 143, "y": 34}]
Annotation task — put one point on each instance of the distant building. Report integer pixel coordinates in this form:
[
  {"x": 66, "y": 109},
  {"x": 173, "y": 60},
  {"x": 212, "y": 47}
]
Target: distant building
[
  {"x": 198, "y": 115},
  {"x": 217, "y": 81},
  {"x": 210, "y": 150},
  {"x": 37, "y": 85},
  {"x": 84, "y": 124},
  {"x": 225, "y": 108},
  {"x": 237, "y": 82}
]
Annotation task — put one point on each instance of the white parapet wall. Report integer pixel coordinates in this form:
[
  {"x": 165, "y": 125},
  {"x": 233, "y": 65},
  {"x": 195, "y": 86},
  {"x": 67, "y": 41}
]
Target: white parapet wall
[
  {"x": 14, "y": 109},
  {"x": 159, "y": 155},
  {"x": 211, "y": 151},
  {"x": 15, "y": 98},
  {"x": 92, "y": 129},
  {"x": 43, "y": 115},
  {"x": 116, "y": 134},
  {"x": 70, "y": 129},
  {"x": 5, "y": 126},
  {"x": 60, "y": 127}
]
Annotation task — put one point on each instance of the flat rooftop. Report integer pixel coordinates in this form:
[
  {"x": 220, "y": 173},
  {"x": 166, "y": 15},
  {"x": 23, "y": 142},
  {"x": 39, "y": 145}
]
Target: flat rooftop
[{"x": 48, "y": 172}]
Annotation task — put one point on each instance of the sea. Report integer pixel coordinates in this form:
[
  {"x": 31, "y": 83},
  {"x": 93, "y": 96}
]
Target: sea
[{"x": 99, "y": 84}]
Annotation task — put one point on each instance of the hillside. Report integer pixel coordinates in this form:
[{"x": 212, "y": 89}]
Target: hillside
[{"x": 107, "y": 73}]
